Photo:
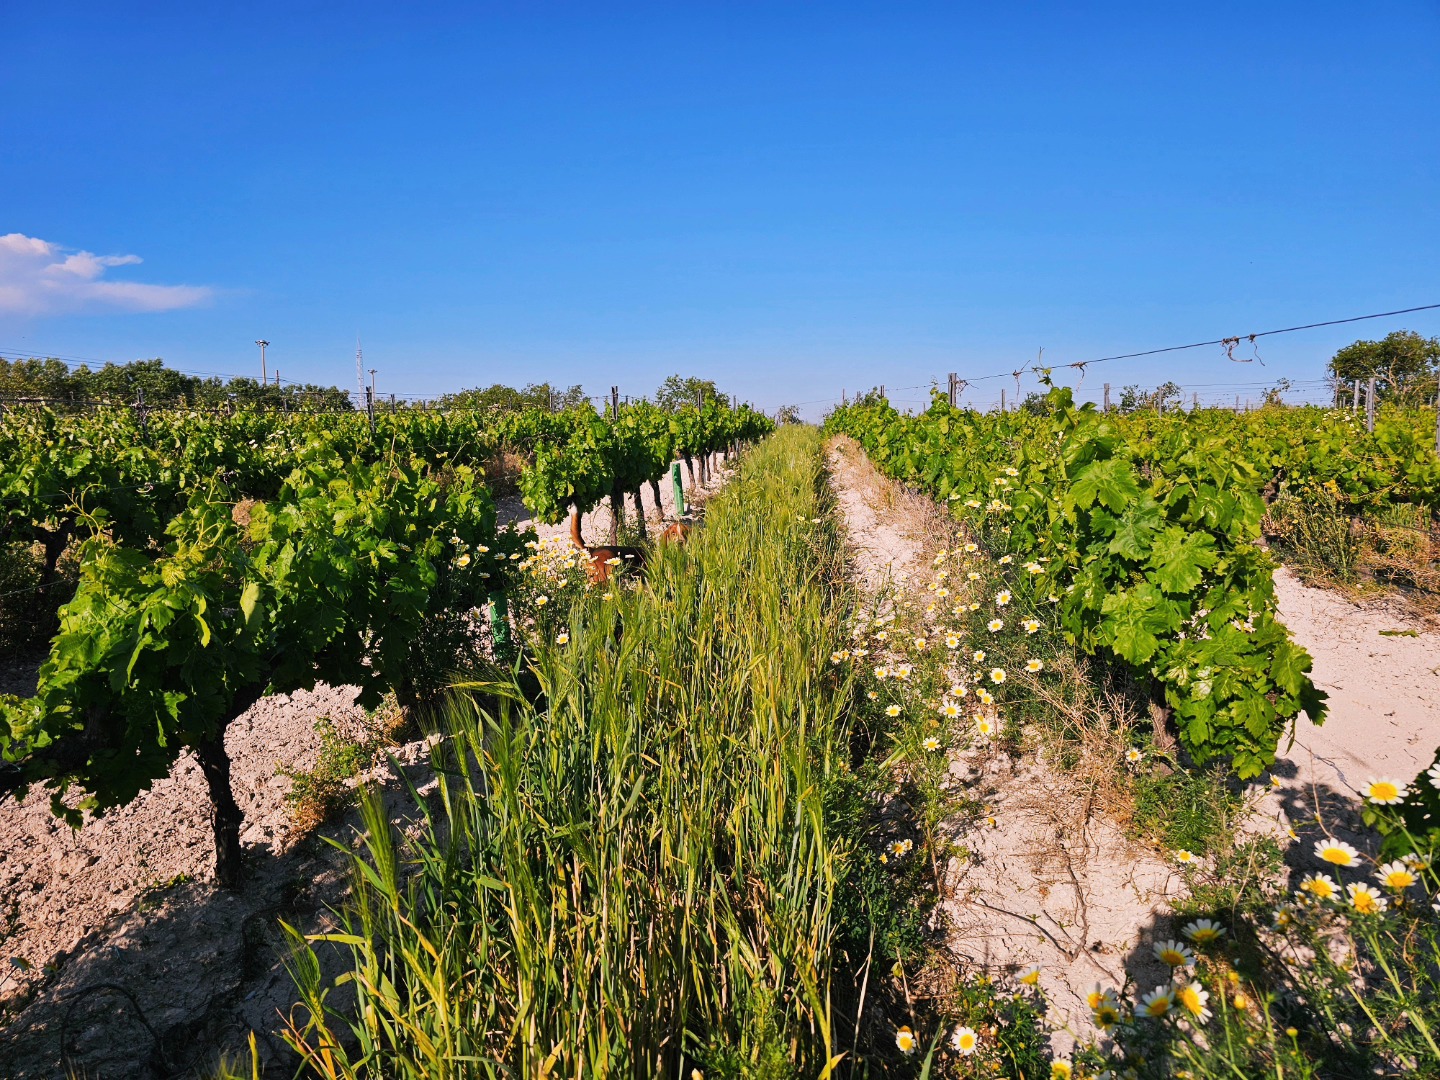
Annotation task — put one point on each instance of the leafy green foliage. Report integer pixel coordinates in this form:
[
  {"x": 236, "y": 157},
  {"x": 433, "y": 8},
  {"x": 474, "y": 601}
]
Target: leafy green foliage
[
  {"x": 56, "y": 382},
  {"x": 636, "y": 872},
  {"x": 227, "y": 557},
  {"x": 1403, "y": 364},
  {"x": 676, "y": 392},
  {"x": 1146, "y": 539},
  {"x": 158, "y": 651},
  {"x": 1412, "y": 826}
]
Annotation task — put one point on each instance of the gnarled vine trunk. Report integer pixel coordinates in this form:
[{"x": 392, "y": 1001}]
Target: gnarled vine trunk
[
  {"x": 1161, "y": 727},
  {"x": 639, "y": 515},
  {"x": 617, "y": 514},
  {"x": 225, "y": 815}
]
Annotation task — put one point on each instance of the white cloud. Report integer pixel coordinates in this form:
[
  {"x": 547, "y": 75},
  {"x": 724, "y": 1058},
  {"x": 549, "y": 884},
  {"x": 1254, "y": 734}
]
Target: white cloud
[{"x": 41, "y": 278}]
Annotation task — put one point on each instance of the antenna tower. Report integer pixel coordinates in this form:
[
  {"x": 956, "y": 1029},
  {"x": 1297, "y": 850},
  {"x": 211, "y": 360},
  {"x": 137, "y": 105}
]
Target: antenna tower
[{"x": 359, "y": 368}]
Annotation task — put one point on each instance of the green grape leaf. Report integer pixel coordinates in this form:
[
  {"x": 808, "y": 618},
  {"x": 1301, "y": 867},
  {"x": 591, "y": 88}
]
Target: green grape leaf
[
  {"x": 1110, "y": 481},
  {"x": 1179, "y": 558}
]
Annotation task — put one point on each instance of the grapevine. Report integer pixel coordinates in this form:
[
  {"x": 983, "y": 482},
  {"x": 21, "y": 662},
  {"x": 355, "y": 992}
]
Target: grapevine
[{"x": 1149, "y": 549}]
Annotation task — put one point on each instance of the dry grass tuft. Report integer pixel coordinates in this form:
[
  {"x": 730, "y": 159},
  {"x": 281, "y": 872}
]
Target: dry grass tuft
[{"x": 502, "y": 471}]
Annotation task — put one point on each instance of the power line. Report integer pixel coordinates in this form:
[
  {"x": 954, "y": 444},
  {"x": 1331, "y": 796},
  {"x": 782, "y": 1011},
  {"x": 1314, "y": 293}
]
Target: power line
[{"x": 1228, "y": 342}]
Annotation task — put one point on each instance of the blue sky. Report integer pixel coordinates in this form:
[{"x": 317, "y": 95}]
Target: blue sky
[{"x": 789, "y": 198}]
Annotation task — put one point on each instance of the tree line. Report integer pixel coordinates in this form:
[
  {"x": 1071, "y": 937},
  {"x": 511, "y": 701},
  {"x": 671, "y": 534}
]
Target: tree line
[{"x": 150, "y": 381}]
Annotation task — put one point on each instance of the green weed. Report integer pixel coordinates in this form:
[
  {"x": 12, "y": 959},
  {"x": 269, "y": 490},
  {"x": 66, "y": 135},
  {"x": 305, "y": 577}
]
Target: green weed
[{"x": 635, "y": 874}]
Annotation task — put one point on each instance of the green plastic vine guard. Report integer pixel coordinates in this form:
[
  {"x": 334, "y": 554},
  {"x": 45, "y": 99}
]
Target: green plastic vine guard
[
  {"x": 500, "y": 624},
  {"x": 679, "y": 491}
]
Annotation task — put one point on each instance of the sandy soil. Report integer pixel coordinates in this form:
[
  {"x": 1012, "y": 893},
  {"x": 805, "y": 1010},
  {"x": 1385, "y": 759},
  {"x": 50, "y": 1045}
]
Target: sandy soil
[
  {"x": 1055, "y": 882},
  {"x": 119, "y": 957},
  {"x": 1384, "y": 706},
  {"x": 116, "y": 926}
]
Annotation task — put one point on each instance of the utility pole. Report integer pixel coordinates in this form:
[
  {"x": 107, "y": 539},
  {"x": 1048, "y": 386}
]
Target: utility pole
[
  {"x": 359, "y": 370},
  {"x": 263, "y": 377},
  {"x": 370, "y": 402}
]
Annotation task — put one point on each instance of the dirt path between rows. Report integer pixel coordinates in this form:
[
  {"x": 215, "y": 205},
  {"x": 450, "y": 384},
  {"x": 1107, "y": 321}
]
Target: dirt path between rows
[
  {"x": 1384, "y": 706},
  {"x": 1055, "y": 882},
  {"x": 113, "y": 939}
]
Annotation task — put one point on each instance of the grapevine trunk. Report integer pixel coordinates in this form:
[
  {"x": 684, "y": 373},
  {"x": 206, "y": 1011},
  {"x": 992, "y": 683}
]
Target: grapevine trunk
[
  {"x": 639, "y": 515},
  {"x": 225, "y": 812},
  {"x": 617, "y": 514}
]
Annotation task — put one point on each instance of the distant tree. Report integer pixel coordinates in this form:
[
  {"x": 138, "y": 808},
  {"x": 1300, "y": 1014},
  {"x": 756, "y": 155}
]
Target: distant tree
[
  {"x": 51, "y": 379},
  {"x": 568, "y": 398},
  {"x": 125, "y": 382},
  {"x": 1403, "y": 363},
  {"x": 502, "y": 398},
  {"x": 788, "y": 414},
  {"x": 870, "y": 397},
  {"x": 1275, "y": 395},
  {"x": 162, "y": 386},
  {"x": 676, "y": 392},
  {"x": 245, "y": 391},
  {"x": 1165, "y": 397},
  {"x": 1036, "y": 404}
]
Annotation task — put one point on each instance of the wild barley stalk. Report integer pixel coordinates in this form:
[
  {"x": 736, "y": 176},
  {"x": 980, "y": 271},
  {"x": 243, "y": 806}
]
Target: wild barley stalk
[{"x": 636, "y": 875}]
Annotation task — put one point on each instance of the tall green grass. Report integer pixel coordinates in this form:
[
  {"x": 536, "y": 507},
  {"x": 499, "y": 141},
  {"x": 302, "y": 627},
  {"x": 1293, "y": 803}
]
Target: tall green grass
[{"x": 637, "y": 875}]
